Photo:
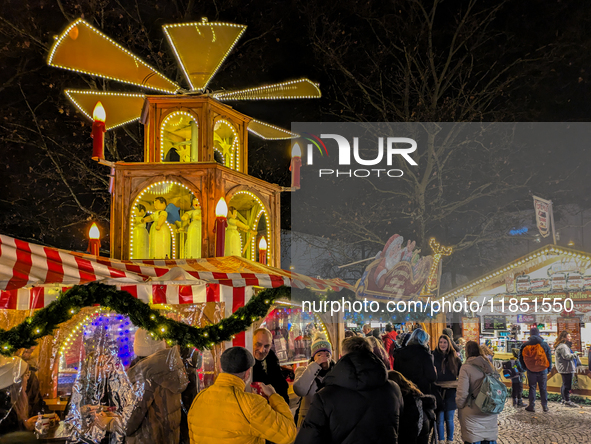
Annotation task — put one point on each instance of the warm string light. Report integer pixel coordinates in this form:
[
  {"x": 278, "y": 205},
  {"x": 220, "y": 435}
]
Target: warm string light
[
  {"x": 60, "y": 39},
  {"x": 288, "y": 134},
  {"x": 170, "y": 116},
  {"x": 255, "y": 224},
  {"x": 173, "y": 237},
  {"x": 540, "y": 256},
  {"x": 270, "y": 92},
  {"x": 438, "y": 252},
  {"x": 70, "y": 339},
  {"x": 196, "y": 25},
  {"x": 234, "y": 148}
]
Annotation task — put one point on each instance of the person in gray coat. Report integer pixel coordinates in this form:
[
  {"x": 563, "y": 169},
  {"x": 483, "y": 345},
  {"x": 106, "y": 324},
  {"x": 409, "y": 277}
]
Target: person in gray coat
[
  {"x": 476, "y": 426},
  {"x": 565, "y": 365},
  {"x": 156, "y": 417},
  {"x": 308, "y": 380}
]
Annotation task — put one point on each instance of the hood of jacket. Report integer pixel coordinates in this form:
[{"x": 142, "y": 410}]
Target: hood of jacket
[
  {"x": 358, "y": 371},
  {"x": 481, "y": 362},
  {"x": 533, "y": 340},
  {"x": 164, "y": 368}
]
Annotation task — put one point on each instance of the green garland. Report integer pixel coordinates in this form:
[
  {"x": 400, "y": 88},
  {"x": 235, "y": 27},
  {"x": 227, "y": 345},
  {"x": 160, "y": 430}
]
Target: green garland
[{"x": 47, "y": 319}]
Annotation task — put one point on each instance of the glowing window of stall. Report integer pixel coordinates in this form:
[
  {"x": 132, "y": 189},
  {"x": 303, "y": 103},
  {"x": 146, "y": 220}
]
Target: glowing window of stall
[
  {"x": 179, "y": 137},
  {"x": 226, "y": 142},
  {"x": 110, "y": 336},
  {"x": 178, "y": 199},
  {"x": 97, "y": 332},
  {"x": 293, "y": 331},
  {"x": 255, "y": 209}
]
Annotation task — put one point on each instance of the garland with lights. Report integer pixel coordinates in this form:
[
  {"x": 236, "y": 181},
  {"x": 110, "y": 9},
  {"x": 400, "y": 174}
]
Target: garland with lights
[{"x": 45, "y": 320}]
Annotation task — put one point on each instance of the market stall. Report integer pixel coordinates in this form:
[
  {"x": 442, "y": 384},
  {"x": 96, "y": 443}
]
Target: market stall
[
  {"x": 550, "y": 289},
  {"x": 197, "y": 292}
]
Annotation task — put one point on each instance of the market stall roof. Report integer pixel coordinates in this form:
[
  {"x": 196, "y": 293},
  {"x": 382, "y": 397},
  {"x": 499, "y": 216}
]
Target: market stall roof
[
  {"x": 23, "y": 264},
  {"x": 529, "y": 263}
]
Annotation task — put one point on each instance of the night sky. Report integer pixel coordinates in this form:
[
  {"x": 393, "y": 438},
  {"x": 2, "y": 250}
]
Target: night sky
[{"x": 533, "y": 57}]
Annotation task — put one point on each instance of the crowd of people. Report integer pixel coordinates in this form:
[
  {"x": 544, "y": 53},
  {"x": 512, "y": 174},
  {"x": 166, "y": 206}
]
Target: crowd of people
[
  {"x": 391, "y": 389},
  {"x": 383, "y": 388}
]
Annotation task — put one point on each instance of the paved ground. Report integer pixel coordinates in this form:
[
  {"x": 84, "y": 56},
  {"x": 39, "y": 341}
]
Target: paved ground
[{"x": 561, "y": 425}]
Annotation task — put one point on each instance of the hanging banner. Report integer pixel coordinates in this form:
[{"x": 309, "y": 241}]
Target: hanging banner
[
  {"x": 543, "y": 208},
  {"x": 398, "y": 272}
]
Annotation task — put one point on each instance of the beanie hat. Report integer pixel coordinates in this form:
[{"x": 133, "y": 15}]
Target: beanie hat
[
  {"x": 449, "y": 333},
  {"x": 236, "y": 360},
  {"x": 145, "y": 345},
  {"x": 534, "y": 331},
  {"x": 320, "y": 343},
  {"x": 11, "y": 370}
]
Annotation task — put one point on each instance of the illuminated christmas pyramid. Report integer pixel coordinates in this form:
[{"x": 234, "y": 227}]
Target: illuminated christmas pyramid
[{"x": 195, "y": 146}]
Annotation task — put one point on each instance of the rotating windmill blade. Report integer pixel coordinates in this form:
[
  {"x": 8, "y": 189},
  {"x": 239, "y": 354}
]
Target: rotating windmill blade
[
  {"x": 85, "y": 49},
  {"x": 200, "y": 49},
  {"x": 121, "y": 108},
  {"x": 294, "y": 89}
]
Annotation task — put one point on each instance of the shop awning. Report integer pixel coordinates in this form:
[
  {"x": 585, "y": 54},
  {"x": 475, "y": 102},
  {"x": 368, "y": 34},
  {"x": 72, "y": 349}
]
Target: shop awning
[{"x": 29, "y": 271}]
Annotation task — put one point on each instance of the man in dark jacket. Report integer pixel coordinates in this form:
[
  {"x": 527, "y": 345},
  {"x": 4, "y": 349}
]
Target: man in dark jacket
[
  {"x": 534, "y": 375},
  {"x": 357, "y": 404},
  {"x": 266, "y": 368}
]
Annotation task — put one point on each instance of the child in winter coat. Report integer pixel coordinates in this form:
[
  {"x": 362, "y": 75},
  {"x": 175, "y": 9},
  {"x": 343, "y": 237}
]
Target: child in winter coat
[{"x": 517, "y": 381}]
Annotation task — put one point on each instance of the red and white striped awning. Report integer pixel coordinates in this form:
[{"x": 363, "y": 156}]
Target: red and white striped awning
[{"x": 32, "y": 275}]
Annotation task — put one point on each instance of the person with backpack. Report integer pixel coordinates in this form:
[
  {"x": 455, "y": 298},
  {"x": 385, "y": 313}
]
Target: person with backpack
[
  {"x": 389, "y": 338},
  {"x": 417, "y": 418},
  {"x": 565, "y": 365},
  {"x": 535, "y": 355},
  {"x": 478, "y": 420},
  {"x": 513, "y": 370},
  {"x": 448, "y": 366}
]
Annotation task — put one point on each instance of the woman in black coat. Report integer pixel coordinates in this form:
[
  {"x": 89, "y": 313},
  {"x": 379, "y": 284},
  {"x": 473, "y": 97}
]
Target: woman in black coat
[
  {"x": 415, "y": 361},
  {"x": 358, "y": 403},
  {"x": 448, "y": 366}
]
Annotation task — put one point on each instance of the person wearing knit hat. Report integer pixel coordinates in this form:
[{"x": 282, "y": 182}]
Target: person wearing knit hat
[
  {"x": 449, "y": 332},
  {"x": 535, "y": 356},
  {"x": 226, "y": 413},
  {"x": 308, "y": 380},
  {"x": 320, "y": 343}
]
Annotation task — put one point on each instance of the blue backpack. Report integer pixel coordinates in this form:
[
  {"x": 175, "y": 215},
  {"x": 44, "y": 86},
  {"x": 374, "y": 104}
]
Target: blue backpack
[{"x": 493, "y": 393}]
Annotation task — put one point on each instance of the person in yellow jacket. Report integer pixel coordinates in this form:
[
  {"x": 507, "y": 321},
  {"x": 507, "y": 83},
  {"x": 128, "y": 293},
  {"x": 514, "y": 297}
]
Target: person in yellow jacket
[{"x": 225, "y": 413}]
